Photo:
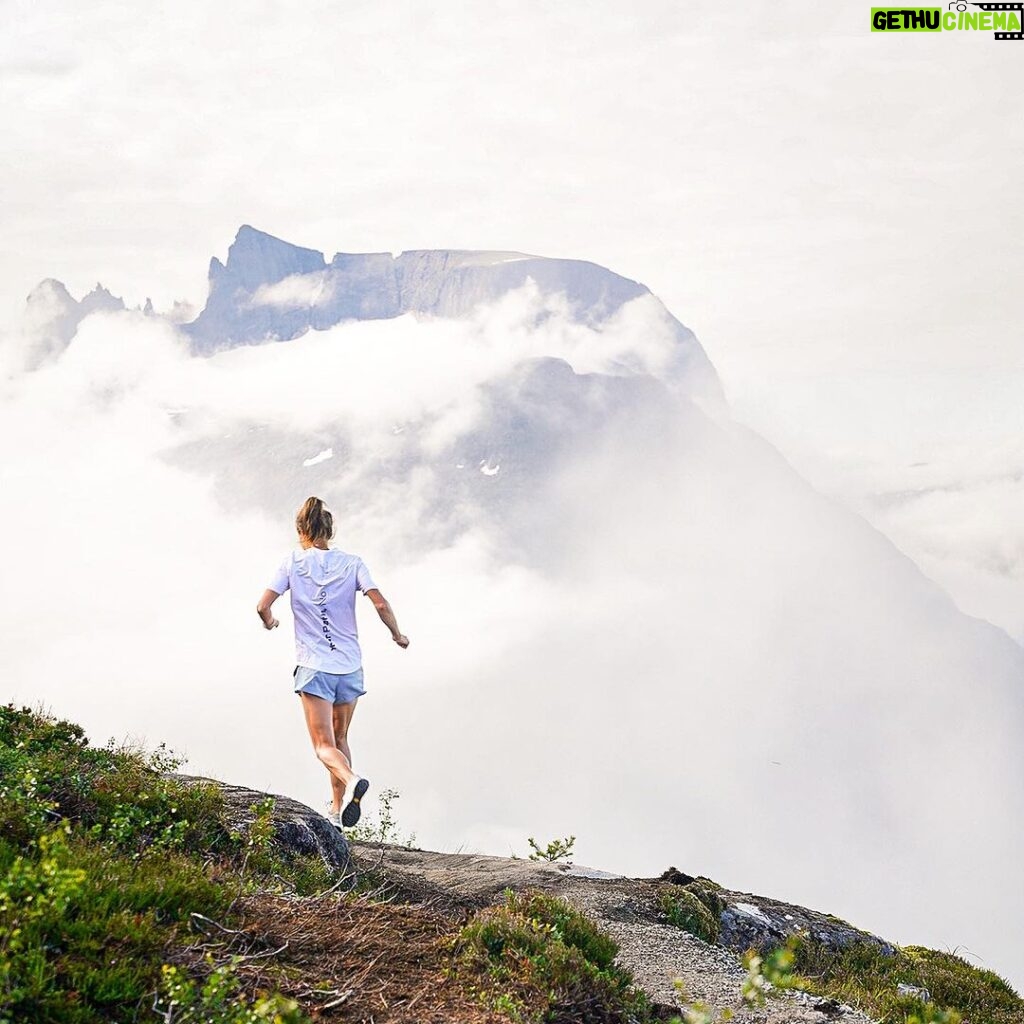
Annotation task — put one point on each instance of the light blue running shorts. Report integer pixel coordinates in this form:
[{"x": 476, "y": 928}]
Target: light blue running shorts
[{"x": 338, "y": 688}]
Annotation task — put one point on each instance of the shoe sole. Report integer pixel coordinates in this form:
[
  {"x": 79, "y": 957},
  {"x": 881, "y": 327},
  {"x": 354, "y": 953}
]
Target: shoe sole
[{"x": 350, "y": 815}]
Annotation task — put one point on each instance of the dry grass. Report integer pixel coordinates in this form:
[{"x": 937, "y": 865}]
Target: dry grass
[{"x": 344, "y": 958}]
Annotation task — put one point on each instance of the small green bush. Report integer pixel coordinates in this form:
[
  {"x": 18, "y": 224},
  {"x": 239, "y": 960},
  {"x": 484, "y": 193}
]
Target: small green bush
[
  {"x": 34, "y": 895},
  {"x": 774, "y": 970},
  {"x": 219, "y": 1000},
  {"x": 867, "y": 976},
  {"x": 83, "y": 932},
  {"x": 381, "y": 828},
  {"x": 539, "y": 958},
  {"x": 104, "y": 860},
  {"x": 696, "y": 908},
  {"x": 120, "y": 795}
]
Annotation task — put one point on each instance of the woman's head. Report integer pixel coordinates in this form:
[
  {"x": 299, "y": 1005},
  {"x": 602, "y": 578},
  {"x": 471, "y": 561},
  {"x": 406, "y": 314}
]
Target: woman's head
[{"x": 314, "y": 522}]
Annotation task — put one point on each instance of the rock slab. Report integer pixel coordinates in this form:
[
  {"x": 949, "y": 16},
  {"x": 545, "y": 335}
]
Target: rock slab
[
  {"x": 298, "y": 830},
  {"x": 673, "y": 968}
]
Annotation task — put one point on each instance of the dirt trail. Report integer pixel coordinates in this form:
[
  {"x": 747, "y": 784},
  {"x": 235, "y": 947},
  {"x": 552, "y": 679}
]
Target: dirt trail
[{"x": 627, "y": 909}]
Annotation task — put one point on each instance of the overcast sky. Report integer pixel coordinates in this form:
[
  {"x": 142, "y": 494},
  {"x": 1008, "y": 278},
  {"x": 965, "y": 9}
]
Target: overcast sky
[
  {"x": 836, "y": 213},
  {"x": 801, "y": 191}
]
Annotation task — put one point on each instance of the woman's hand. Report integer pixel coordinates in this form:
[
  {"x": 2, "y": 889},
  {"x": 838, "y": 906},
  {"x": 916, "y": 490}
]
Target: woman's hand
[
  {"x": 387, "y": 616},
  {"x": 263, "y": 609}
]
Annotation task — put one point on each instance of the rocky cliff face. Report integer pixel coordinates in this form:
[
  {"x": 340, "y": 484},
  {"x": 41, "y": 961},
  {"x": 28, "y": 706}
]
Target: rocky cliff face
[{"x": 270, "y": 290}]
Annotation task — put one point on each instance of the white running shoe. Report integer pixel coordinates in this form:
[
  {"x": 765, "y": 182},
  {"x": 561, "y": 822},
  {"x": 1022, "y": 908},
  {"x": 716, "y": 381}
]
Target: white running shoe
[
  {"x": 354, "y": 793},
  {"x": 334, "y": 817}
]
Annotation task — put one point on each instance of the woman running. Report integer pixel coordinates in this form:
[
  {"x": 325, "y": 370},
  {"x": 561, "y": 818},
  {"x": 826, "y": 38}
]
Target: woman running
[{"x": 328, "y": 673}]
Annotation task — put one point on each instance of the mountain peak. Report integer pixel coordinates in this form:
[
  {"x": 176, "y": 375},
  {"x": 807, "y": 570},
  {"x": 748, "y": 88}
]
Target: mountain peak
[
  {"x": 256, "y": 257},
  {"x": 52, "y": 316},
  {"x": 269, "y": 289},
  {"x": 100, "y": 298},
  {"x": 50, "y": 287}
]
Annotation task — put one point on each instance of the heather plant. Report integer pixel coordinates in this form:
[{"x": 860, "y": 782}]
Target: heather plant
[
  {"x": 695, "y": 907},
  {"x": 910, "y": 985},
  {"x": 219, "y": 999},
  {"x": 536, "y": 957},
  {"x": 106, "y": 861}
]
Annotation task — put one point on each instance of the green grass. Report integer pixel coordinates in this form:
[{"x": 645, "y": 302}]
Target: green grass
[
  {"x": 48, "y": 772},
  {"x": 103, "y": 860},
  {"x": 103, "y": 952},
  {"x": 536, "y": 959},
  {"x": 864, "y": 976}
]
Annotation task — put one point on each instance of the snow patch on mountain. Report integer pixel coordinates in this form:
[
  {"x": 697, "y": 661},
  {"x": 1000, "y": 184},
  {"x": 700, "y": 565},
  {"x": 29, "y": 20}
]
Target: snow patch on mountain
[{"x": 327, "y": 453}]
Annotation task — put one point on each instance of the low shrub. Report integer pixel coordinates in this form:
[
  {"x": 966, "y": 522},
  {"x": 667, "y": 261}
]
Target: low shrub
[
  {"x": 695, "y": 907},
  {"x": 911, "y": 985},
  {"x": 121, "y": 795},
  {"x": 537, "y": 960},
  {"x": 104, "y": 861},
  {"x": 220, "y": 999},
  {"x": 556, "y": 850}
]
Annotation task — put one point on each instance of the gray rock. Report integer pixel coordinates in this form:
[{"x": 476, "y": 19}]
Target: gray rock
[
  {"x": 761, "y": 923},
  {"x": 672, "y": 967},
  {"x": 271, "y": 290},
  {"x": 298, "y": 829},
  {"x": 914, "y": 991}
]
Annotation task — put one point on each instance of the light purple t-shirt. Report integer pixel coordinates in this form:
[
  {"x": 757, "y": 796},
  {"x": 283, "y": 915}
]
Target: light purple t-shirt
[{"x": 323, "y": 585}]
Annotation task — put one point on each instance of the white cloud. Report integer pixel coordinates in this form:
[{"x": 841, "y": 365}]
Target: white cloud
[
  {"x": 620, "y": 644},
  {"x": 796, "y": 228},
  {"x": 297, "y": 291},
  {"x": 933, "y": 459}
]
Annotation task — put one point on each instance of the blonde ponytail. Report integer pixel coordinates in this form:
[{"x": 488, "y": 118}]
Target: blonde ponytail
[{"x": 315, "y": 521}]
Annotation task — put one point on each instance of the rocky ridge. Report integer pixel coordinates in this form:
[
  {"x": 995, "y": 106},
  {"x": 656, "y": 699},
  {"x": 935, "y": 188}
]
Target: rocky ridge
[
  {"x": 271, "y": 290},
  {"x": 628, "y": 909},
  {"x": 659, "y": 955}
]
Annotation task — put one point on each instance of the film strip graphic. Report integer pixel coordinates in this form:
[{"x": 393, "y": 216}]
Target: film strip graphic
[{"x": 1018, "y": 7}]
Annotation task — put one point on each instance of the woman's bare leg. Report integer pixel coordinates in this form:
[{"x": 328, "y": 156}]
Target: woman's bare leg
[
  {"x": 342, "y": 718},
  {"x": 320, "y": 723}
]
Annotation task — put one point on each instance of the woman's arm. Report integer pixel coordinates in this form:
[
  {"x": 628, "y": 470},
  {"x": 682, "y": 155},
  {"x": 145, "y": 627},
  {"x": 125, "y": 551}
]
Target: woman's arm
[
  {"x": 263, "y": 609},
  {"x": 387, "y": 616}
]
